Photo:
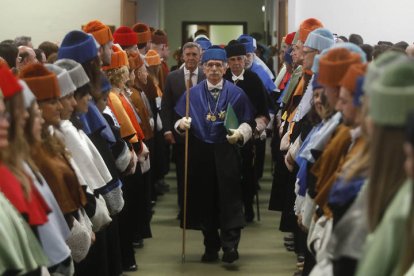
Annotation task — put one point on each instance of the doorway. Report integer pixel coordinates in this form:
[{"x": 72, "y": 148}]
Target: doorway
[
  {"x": 128, "y": 12},
  {"x": 220, "y": 33}
]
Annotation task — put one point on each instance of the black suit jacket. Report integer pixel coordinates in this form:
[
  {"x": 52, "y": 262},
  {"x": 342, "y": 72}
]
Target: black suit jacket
[
  {"x": 174, "y": 89},
  {"x": 255, "y": 91}
]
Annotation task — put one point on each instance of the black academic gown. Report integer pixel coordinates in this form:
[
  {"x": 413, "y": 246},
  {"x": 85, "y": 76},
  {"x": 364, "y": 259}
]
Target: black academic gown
[
  {"x": 214, "y": 192},
  {"x": 104, "y": 257},
  {"x": 256, "y": 92}
]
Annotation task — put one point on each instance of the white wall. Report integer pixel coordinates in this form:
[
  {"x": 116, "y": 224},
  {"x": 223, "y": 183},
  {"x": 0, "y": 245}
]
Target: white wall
[
  {"x": 177, "y": 11},
  {"x": 374, "y": 20},
  {"x": 52, "y": 19},
  {"x": 222, "y": 34}
]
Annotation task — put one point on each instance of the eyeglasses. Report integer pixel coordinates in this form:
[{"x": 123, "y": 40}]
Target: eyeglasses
[
  {"x": 22, "y": 56},
  {"x": 212, "y": 64},
  {"x": 308, "y": 52}
]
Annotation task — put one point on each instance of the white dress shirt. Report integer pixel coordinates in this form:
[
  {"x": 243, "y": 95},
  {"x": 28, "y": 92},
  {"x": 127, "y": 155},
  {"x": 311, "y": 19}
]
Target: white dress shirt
[{"x": 193, "y": 78}]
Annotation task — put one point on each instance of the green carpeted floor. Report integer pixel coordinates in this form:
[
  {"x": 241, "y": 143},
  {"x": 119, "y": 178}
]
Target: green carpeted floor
[{"x": 261, "y": 247}]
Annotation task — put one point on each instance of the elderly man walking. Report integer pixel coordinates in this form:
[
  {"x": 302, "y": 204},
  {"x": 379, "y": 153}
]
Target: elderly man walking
[{"x": 214, "y": 191}]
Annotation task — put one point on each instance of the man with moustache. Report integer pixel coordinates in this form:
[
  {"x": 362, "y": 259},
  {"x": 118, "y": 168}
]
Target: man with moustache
[{"x": 214, "y": 190}]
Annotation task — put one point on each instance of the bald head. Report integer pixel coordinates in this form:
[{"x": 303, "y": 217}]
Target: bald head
[
  {"x": 26, "y": 56},
  {"x": 410, "y": 50}
]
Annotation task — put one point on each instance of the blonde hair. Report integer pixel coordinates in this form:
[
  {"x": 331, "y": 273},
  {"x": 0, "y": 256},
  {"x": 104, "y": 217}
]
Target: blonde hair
[
  {"x": 116, "y": 76},
  {"x": 53, "y": 144},
  {"x": 153, "y": 71}
]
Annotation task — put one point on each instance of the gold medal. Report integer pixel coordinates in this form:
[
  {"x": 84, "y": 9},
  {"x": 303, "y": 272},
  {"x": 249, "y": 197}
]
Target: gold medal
[{"x": 211, "y": 115}]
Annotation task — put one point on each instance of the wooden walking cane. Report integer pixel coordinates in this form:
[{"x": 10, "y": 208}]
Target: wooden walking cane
[
  {"x": 257, "y": 205},
  {"x": 257, "y": 184},
  {"x": 187, "y": 113}
]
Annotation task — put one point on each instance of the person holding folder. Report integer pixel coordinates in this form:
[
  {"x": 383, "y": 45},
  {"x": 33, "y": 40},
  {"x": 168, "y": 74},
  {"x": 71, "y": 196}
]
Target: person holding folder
[
  {"x": 214, "y": 199},
  {"x": 256, "y": 92}
]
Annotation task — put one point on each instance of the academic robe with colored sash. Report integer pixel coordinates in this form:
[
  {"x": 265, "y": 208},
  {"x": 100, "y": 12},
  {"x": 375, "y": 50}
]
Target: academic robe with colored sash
[
  {"x": 135, "y": 219},
  {"x": 143, "y": 113},
  {"x": 326, "y": 166},
  {"x": 20, "y": 251},
  {"x": 127, "y": 129},
  {"x": 214, "y": 191},
  {"x": 282, "y": 176},
  {"x": 383, "y": 249},
  {"x": 251, "y": 162},
  {"x": 266, "y": 80},
  {"x": 33, "y": 207}
]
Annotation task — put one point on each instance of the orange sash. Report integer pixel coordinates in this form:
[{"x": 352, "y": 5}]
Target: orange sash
[
  {"x": 132, "y": 116},
  {"x": 127, "y": 129}
]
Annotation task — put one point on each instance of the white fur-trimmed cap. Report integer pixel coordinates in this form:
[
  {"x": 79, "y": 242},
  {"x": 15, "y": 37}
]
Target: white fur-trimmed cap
[
  {"x": 76, "y": 71},
  {"x": 28, "y": 95},
  {"x": 65, "y": 82}
]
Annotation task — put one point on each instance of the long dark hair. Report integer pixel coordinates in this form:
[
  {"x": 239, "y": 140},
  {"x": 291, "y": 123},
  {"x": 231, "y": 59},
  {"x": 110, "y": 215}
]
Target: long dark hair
[
  {"x": 28, "y": 132},
  {"x": 93, "y": 70},
  {"x": 407, "y": 259},
  {"x": 18, "y": 150},
  {"x": 78, "y": 94},
  {"x": 9, "y": 52},
  {"x": 386, "y": 172}
]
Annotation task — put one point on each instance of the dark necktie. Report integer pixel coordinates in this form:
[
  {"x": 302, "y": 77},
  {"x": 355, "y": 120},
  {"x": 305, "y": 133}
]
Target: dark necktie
[
  {"x": 215, "y": 92},
  {"x": 190, "y": 81}
]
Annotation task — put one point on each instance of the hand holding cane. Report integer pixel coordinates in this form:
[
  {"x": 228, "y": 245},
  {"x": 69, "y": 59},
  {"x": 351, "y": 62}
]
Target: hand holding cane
[{"x": 187, "y": 112}]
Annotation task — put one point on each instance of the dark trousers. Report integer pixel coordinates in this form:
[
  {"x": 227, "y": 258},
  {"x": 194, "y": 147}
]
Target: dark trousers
[
  {"x": 178, "y": 150},
  {"x": 344, "y": 266},
  {"x": 96, "y": 262},
  {"x": 259, "y": 157},
  {"x": 127, "y": 226},
  {"x": 310, "y": 262},
  {"x": 249, "y": 181},
  {"x": 227, "y": 239}
]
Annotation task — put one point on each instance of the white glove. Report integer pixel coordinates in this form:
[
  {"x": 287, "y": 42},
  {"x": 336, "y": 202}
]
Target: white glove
[
  {"x": 281, "y": 127},
  {"x": 263, "y": 136},
  {"x": 234, "y": 137},
  {"x": 261, "y": 123},
  {"x": 185, "y": 123},
  {"x": 144, "y": 153},
  {"x": 159, "y": 122},
  {"x": 134, "y": 162}
]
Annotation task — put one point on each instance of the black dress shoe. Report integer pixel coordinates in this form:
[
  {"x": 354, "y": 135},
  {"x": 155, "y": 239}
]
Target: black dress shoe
[
  {"x": 209, "y": 257},
  {"x": 131, "y": 268},
  {"x": 289, "y": 238},
  {"x": 180, "y": 215},
  {"x": 230, "y": 256},
  {"x": 138, "y": 243}
]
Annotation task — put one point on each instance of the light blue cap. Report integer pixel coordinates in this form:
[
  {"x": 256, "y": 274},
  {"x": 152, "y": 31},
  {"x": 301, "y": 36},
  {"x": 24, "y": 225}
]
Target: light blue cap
[
  {"x": 214, "y": 53},
  {"x": 320, "y": 39},
  {"x": 347, "y": 45}
]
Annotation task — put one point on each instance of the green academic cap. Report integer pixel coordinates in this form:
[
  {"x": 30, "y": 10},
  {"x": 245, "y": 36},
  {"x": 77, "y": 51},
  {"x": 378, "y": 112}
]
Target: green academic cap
[{"x": 392, "y": 95}]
